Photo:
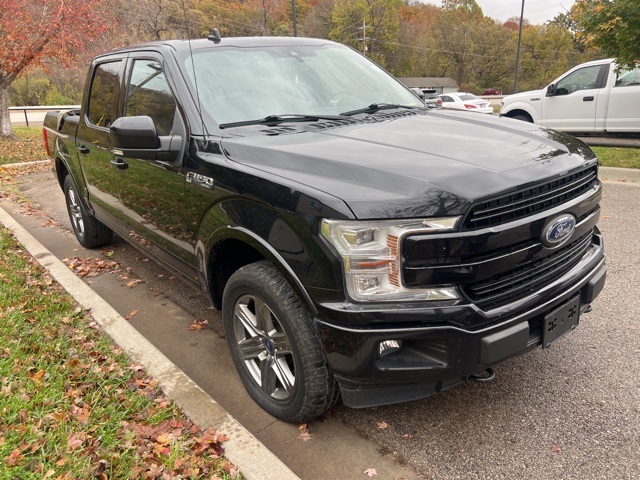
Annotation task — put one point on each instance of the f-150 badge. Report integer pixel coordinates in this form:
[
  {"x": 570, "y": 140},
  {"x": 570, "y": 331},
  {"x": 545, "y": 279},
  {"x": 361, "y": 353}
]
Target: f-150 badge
[{"x": 201, "y": 180}]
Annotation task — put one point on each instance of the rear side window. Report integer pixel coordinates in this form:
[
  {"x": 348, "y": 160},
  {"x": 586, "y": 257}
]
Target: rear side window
[
  {"x": 148, "y": 93},
  {"x": 103, "y": 94},
  {"x": 625, "y": 78}
]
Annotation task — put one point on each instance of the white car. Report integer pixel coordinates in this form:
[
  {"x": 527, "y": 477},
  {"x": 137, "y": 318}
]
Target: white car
[{"x": 466, "y": 101}]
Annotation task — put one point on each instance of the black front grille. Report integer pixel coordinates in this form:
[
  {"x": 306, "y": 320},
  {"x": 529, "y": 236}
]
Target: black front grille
[
  {"x": 526, "y": 202},
  {"x": 519, "y": 281}
]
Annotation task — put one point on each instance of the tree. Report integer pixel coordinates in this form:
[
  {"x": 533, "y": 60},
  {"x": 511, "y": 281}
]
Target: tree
[
  {"x": 34, "y": 31},
  {"x": 611, "y": 25},
  {"x": 375, "y": 21}
]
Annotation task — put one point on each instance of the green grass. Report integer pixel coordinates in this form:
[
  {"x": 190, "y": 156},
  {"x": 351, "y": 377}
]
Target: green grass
[
  {"x": 73, "y": 405},
  {"x": 26, "y": 145},
  {"x": 618, "y": 157}
]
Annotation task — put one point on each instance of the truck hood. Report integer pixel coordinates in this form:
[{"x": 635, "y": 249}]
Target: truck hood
[
  {"x": 422, "y": 165},
  {"x": 524, "y": 96}
]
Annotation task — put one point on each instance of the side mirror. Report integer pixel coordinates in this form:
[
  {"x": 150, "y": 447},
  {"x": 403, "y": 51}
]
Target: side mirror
[
  {"x": 134, "y": 133},
  {"x": 551, "y": 90}
]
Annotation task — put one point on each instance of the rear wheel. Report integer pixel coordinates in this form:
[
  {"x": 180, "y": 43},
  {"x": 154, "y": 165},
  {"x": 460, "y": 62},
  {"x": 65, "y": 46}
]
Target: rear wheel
[
  {"x": 89, "y": 231},
  {"x": 274, "y": 345}
]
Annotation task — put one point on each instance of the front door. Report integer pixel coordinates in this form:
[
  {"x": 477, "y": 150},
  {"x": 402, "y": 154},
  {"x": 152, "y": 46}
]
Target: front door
[
  {"x": 573, "y": 107},
  {"x": 152, "y": 191}
]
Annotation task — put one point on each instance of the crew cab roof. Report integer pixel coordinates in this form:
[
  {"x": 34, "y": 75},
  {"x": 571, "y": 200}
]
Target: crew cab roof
[{"x": 203, "y": 43}]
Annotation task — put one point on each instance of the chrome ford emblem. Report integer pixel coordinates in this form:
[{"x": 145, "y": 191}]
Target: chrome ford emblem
[{"x": 559, "y": 230}]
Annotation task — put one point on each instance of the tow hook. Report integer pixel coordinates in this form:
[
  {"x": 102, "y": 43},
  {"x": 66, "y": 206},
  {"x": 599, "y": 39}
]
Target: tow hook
[{"x": 485, "y": 376}]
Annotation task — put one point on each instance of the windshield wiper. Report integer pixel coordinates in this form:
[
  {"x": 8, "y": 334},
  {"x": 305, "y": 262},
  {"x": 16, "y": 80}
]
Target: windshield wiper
[
  {"x": 271, "y": 120},
  {"x": 374, "y": 107}
]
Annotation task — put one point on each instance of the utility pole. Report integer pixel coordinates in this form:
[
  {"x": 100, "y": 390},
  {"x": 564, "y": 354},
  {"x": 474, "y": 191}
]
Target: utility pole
[
  {"x": 515, "y": 84},
  {"x": 364, "y": 37},
  {"x": 293, "y": 14}
]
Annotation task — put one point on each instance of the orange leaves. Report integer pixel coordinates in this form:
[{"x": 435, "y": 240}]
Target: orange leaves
[
  {"x": 304, "y": 434},
  {"x": 91, "y": 267},
  {"x": 198, "y": 325},
  {"x": 169, "y": 438},
  {"x": 14, "y": 458},
  {"x": 33, "y": 35},
  {"x": 36, "y": 376}
]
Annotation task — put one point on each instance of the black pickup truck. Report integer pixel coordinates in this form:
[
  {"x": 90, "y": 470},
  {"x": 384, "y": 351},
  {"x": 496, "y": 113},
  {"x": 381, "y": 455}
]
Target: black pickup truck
[{"x": 358, "y": 244}]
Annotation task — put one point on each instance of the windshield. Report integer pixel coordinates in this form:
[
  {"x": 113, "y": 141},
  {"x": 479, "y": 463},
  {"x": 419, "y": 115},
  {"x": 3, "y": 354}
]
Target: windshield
[{"x": 244, "y": 84}]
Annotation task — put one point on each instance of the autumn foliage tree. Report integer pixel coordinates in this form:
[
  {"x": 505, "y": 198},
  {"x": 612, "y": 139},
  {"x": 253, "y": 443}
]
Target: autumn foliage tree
[
  {"x": 35, "y": 31},
  {"x": 611, "y": 25}
]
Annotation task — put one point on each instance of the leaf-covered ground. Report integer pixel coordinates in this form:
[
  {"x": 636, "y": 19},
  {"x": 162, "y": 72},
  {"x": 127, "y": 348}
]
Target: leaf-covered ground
[
  {"x": 72, "y": 406},
  {"x": 26, "y": 145}
]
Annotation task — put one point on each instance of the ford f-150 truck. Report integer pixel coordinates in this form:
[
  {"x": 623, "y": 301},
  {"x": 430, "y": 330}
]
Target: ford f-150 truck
[
  {"x": 358, "y": 244},
  {"x": 592, "y": 97}
]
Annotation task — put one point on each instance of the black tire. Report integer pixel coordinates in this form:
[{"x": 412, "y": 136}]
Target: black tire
[
  {"x": 524, "y": 118},
  {"x": 275, "y": 346},
  {"x": 89, "y": 231}
]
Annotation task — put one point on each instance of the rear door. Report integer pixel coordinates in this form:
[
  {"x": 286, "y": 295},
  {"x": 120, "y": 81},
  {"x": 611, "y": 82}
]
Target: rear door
[
  {"x": 93, "y": 143},
  {"x": 574, "y": 107},
  {"x": 623, "y": 114}
]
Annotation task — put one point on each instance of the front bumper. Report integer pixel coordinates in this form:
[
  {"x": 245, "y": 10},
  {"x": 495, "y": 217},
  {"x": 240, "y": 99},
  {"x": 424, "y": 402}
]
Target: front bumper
[{"x": 440, "y": 346}]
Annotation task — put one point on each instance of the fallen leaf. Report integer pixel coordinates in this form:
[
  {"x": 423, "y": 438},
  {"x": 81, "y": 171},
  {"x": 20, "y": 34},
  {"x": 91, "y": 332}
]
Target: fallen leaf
[
  {"x": 382, "y": 425},
  {"x": 304, "y": 434},
  {"x": 132, "y": 314},
  {"x": 407, "y": 436},
  {"x": 198, "y": 325},
  {"x": 371, "y": 472},
  {"x": 555, "y": 448},
  {"x": 14, "y": 458}
]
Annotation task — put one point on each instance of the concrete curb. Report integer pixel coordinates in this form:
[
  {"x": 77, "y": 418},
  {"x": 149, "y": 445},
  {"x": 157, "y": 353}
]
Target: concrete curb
[
  {"x": 619, "y": 175},
  {"x": 244, "y": 450}
]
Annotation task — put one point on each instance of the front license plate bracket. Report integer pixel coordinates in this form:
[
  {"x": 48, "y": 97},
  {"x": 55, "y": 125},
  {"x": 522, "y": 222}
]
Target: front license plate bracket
[{"x": 562, "y": 320}]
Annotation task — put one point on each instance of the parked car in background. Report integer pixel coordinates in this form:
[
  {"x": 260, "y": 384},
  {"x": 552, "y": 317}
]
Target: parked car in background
[
  {"x": 591, "y": 97},
  {"x": 431, "y": 98},
  {"x": 466, "y": 101}
]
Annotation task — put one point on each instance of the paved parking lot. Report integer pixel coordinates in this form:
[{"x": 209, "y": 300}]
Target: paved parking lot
[{"x": 569, "y": 412}]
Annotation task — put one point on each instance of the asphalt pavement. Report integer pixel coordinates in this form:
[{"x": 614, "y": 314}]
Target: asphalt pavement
[{"x": 568, "y": 412}]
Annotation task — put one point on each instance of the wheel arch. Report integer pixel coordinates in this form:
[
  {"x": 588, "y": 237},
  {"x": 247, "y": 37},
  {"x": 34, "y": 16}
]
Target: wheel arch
[
  {"x": 234, "y": 247},
  {"x": 518, "y": 112}
]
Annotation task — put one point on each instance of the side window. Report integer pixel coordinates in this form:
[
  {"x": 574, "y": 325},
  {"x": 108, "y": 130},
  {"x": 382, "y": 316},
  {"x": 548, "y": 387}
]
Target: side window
[
  {"x": 625, "y": 78},
  {"x": 103, "y": 93},
  {"x": 582, "y": 79},
  {"x": 447, "y": 98},
  {"x": 148, "y": 93}
]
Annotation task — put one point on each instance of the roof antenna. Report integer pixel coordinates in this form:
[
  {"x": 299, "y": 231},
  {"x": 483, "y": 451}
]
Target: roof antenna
[{"x": 214, "y": 36}]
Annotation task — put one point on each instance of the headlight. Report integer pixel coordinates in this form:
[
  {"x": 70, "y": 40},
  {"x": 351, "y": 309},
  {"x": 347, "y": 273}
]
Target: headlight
[{"x": 372, "y": 260}]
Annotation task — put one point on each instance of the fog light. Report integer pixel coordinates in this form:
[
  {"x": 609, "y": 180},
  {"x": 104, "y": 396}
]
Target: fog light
[{"x": 388, "y": 347}]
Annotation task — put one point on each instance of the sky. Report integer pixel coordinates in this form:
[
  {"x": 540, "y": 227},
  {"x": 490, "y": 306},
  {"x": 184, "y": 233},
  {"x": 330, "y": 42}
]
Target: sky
[{"x": 536, "y": 11}]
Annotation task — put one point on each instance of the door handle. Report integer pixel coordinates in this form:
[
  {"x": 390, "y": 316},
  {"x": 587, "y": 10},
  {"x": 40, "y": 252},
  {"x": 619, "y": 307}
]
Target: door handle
[
  {"x": 587, "y": 99},
  {"x": 83, "y": 149},
  {"x": 120, "y": 164}
]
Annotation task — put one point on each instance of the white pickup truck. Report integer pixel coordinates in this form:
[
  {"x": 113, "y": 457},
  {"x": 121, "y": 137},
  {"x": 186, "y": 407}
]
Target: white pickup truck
[{"x": 591, "y": 97}]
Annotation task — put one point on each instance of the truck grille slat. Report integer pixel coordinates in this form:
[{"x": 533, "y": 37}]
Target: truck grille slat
[
  {"x": 507, "y": 285},
  {"x": 507, "y": 208}
]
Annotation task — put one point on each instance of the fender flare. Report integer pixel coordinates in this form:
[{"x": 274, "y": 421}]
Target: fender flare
[
  {"x": 242, "y": 234},
  {"x": 521, "y": 105}
]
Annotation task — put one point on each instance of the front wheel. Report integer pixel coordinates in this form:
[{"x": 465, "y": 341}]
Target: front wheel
[
  {"x": 274, "y": 345},
  {"x": 524, "y": 118},
  {"x": 89, "y": 231}
]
